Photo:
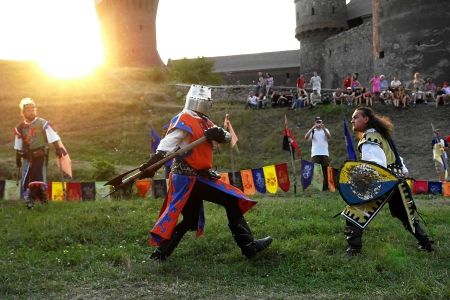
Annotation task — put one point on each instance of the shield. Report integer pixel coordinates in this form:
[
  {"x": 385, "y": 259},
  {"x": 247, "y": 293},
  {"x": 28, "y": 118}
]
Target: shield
[{"x": 362, "y": 181}]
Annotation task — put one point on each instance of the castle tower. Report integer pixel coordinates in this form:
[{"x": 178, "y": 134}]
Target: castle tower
[
  {"x": 316, "y": 20},
  {"x": 415, "y": 40},
  {"x": 129, "y": 32}
]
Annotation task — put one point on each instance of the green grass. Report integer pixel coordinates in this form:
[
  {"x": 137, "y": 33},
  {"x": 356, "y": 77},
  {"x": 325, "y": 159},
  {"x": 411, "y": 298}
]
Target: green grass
[{"x": 99, "y": 250}]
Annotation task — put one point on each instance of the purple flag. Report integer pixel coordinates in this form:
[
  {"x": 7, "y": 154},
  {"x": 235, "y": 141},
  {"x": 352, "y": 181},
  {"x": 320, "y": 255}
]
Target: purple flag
[
  {"x": 154, "y": 140},
  {"x": 306, "y": 171},
  {"x": 349, "y": 143},
  {"x": 259, "y": 180}
]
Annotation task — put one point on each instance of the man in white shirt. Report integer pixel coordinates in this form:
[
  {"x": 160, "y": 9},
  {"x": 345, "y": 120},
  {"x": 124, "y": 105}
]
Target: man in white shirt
[
  {"x": 319, "y": 136},
  {"x": 316, "y": 82}
]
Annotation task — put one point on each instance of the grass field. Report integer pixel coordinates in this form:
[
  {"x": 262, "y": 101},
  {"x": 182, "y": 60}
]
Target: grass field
[{"x": 99, "y": 250}]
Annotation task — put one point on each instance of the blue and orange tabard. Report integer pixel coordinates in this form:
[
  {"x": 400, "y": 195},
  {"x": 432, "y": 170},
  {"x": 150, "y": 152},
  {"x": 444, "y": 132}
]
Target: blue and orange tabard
[{"x": 180, "y": 186}]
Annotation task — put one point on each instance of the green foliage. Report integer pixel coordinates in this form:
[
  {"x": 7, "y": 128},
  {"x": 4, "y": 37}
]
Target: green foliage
[
  {"x": 193, "y": 71},
  {"x": 92, "y": 249},
  {"x": 103, "y": 170}
]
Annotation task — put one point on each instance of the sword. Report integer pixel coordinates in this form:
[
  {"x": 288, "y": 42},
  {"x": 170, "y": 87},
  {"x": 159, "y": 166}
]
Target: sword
[{"x": 122, "y": 180}]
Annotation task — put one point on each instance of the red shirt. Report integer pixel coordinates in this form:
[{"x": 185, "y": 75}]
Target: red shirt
[{"x": 301, "y": 82}]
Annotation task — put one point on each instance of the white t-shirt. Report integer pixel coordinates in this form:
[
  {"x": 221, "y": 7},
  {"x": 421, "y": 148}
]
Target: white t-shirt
[{"x": 319, "y": 143}]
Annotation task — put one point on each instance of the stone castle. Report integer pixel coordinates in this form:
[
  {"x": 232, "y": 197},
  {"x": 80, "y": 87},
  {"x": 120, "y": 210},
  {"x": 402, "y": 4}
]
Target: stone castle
[{"x": 390, "y": 37}]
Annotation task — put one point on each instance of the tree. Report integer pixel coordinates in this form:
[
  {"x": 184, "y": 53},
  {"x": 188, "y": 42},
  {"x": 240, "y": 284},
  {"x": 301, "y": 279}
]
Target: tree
[{"x": 193, "y": 71}]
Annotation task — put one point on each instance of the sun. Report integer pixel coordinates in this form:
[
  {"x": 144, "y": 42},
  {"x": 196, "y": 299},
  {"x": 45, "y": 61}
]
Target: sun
[{"x": 62, "y": 36}]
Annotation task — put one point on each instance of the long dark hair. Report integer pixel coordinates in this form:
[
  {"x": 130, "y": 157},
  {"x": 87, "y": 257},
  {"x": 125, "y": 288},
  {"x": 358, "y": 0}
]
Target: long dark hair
[{"x": 381, "y": 124}]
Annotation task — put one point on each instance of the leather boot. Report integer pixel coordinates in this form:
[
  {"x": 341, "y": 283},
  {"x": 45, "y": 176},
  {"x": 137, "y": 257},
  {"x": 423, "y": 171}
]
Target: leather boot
[
  {"x": 245, "y": 240},
  {"x": 424, "y": 242},
  {"x": 354, "y": 240},
  {"x": 166, "y": 248}
]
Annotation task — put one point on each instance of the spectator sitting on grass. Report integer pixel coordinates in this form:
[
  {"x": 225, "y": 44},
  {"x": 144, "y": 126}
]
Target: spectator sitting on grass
[
  {"x": 315, "y": 98},
  {"x": 338, "y": 96},
  {"x": 252, "y": 101}
]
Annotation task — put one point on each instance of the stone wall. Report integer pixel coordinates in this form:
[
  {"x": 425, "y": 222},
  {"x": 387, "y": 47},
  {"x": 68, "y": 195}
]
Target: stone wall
[{"x": 348, "y": 52}]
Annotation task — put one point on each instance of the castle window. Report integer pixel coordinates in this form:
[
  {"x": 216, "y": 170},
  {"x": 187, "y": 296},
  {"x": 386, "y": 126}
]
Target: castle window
[
  {"x": 312, "y": 11},
  {"x": 329, "y": 52},
  {"x": 381, "y": 54},
  {"x": 333, "y": 10}
]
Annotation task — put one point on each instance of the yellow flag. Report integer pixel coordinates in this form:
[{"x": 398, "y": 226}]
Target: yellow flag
[
  {"x": 270, "y": 176},
  {"x": 58, "y": 189}
]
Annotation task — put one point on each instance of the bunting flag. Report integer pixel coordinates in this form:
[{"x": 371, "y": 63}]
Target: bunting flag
[
  {"x": 2, "y": 189},
  {"x": 229, "y": 128},
  {"x": 11, "y": 190},
  {"x": 420, "y": 187},
  {"x": 435, "y": 187},
  {"x": 348, "y": 142},
  {"x": 154, "y": 140},
  {"x": 306, "y": 171},
  {"x": 289, "y": 142},
  {"x": 159, "y": 188},
  {"x": 410, "y": 182},
  {"x": 236, "y": 180},
  {"x": 259, "y": 180},
  {"x": 73, "y": 191},
  {"x": 247, "y": 182},
  {"x": 331, "y": 172},
  {"x": 64, "y": 163},
  {"x": 283, "y": 176},
  {"x": 101, "y": 190},
  {"x": 446, "y": 189},
  {"x": 317, "y": 181},
  {"x": 88, "y": 191},
  {"x": 224, "y": 178},
  {"x": 49, "y": 190},
  {"x": 143, "y": 186},
  {"x": 58, "y": 189},
  {"x": 270, "y": 177}
]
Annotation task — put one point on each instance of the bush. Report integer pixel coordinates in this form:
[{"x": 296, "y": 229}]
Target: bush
[{"x": 104, "y": 170}]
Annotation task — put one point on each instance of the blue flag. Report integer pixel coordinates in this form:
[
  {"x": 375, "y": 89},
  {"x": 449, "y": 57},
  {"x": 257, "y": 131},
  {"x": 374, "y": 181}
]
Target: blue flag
[
  {"x": 259, "y": 180},
  {"x": 306, "y": 171},
  {"x": 349, "y": 143},
  {"x": 154, "y": 140}
]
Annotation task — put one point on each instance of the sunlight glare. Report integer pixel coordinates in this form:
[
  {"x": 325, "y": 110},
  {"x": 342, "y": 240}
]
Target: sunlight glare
[{"x": 63, "y": 36}]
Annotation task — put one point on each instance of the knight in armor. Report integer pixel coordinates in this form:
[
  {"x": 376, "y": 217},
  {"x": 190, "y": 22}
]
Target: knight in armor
[
  {"x": 32, "y": 137},
  {"x": 191, "y": 181},
  {"x": 376, "y": 145}
]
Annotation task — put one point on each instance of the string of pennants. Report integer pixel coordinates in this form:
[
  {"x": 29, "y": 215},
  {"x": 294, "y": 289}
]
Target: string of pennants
[{"x": 268, "y": 179}]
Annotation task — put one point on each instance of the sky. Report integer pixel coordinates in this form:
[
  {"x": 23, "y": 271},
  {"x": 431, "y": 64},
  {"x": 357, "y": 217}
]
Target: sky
[
  {"x": 196, "y": 28},
  {"x": 64, "y": 35}
]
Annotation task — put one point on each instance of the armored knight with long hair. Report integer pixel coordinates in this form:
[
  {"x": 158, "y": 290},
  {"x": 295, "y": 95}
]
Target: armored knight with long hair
[{"x": 376, "y": 145}]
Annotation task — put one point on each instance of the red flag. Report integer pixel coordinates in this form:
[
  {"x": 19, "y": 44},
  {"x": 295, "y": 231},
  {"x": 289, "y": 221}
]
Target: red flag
[
  {"x": 289, "y": 142},
  {"x": 229, "y": 128},
  {"x": 283, "y": 176}
]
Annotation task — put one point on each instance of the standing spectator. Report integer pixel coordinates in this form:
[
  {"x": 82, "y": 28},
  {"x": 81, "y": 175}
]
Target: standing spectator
[
  {"x": 418, "y": 87},
  {"x": 384, "y": 84},
  {"x": 338, "y": 96},
  {"x": 193, "y": 181},
  {"x": 32, "y": 137},
  {"x": 368, "y": 97},
  {"x": 440, "y": 146},
  {"x": 316, "y": 82},
  {"x": 269, "y": 83},
  {"x": 376, "y": 83},
  {"x": 261, "y": 85},
  {"x": 347, "y": 83},
  {"x": 315, "y": 98},
  {"x": 359, "y": 95},
  {"x": 319, "y": 136},
  {"x": 300, "y": 83}
]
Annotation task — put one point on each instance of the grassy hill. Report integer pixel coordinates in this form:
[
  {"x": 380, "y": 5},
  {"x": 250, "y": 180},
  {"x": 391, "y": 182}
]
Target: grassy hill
[{"x": 106, "y": 117}]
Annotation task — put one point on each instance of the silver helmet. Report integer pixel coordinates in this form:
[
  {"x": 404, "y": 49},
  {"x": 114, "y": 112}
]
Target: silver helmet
[{"x": 199, "y": 99}]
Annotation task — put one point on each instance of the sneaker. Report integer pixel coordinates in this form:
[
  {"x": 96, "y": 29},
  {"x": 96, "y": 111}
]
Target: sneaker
[
  {"x": 352, "y": 251},
  {"x": 426, "y": 247}
]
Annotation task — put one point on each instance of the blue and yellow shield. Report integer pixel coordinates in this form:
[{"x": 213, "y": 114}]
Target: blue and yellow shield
[{"x": 363, "y": 181}]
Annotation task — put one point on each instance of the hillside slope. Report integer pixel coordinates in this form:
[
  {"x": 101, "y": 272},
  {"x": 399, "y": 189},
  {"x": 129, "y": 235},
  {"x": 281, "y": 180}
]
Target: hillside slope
[{"x": 107, "y": 116}]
